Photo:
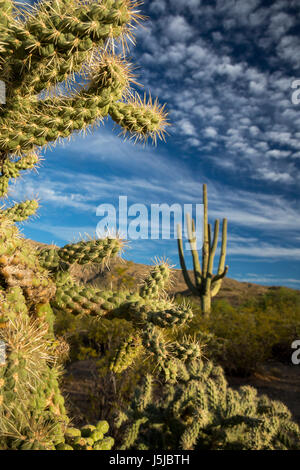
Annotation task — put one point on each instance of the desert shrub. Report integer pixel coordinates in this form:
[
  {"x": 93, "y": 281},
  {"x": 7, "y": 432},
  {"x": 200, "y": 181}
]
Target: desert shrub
[
  {"x": 120, "y": 278},
  {"x": 249, "y": 337},
  {"x": 92, "y": 338}
]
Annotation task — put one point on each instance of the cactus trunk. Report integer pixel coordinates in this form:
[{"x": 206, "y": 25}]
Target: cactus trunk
[{"x": 206, "y": 304}]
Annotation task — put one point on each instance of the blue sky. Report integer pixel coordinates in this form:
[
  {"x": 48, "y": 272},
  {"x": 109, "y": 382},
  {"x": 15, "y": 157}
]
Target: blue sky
[{"x": 225, "y": 70}]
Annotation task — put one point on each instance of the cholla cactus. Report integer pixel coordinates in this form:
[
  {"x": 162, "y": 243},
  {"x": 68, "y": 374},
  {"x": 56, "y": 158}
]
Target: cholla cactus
[
  {"x": 61, "y": 74},
  {"x": 32, "y": 412},
  {"x": 206, "y": 285},
  {"x": 152, "y": 314},
  {"x": 32, "y": 409},
  {"x": 201, "y": 412},
  {"x": 72, "y": 297},
  {"x": 149, "y": 309},
  {"x": 87, "y": 438},
  {"x": 125, "y": 355}
]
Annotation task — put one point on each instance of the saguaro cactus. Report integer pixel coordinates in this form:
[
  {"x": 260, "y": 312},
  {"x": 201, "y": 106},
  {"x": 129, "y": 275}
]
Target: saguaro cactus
[
  {"x": 61, "y": 75},
  {"x": 206, "y": 284}
]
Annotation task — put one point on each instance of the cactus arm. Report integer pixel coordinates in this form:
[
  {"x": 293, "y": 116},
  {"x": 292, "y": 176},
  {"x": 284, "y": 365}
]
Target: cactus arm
[
  {"x": 209, "y": 237},
  {"x": 12, "y": 170},
  {"x": 79, "y": 300},
  {"x": 163, "y": 313},
  {"x": 212, "y": 253},
  {"x": 53, "y": 33},
  {"x": 217, "y": 277},
  {"x": 185, "y": 273},
  {"x": 28, "y": 162},
  {"x": 222, "y": 269},
  {"x": 126, "y": 353},
  {"x": 193, "y": 244},
  {"x": 56, "y": 118},
  {"x": 21, "y": 211},
  {"x": 6, "y": 12},
  {"x": 223, "y": 247},
  {"x": 213, "y": 249},
  {"x": 49, "y": 123},
  {"x": 139, "y": 118},
  {"x": 8, "y": 38},
  {"x": 3, "y": 186},
  {"x": 206, "y": 247},
  {"x": 156, "y": 281},
  {"x": 97, "y": 251}
]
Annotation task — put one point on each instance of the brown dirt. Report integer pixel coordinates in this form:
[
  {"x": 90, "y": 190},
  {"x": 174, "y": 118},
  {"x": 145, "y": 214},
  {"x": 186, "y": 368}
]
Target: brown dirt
[
  {"x": 80, "y": 389},
  {"x": 278, "y": 381}
]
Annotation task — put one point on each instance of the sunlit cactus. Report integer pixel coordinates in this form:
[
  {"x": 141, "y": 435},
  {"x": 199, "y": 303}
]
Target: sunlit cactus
[
  {"x": 206, "y": 285},
  {"x": 62, "y": 76}
]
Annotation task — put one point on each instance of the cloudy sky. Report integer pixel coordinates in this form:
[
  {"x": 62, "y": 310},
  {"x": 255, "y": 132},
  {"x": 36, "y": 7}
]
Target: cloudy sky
[{"x": 225, "y": 69}]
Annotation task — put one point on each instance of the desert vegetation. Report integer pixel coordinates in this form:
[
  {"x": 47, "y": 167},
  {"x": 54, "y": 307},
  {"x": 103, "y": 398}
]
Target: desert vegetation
[{"x": 157, "y": 356}]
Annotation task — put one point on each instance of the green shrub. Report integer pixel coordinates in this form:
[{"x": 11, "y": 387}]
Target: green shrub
[
  {"x": 242, "y": 338},
  {"x": 98, "y": 339}
]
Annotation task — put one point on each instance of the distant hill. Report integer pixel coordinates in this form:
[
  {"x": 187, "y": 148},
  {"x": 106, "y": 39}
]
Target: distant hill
[
  {"x": 122, "y": 274},
  {"x": 126, "y": 274}
]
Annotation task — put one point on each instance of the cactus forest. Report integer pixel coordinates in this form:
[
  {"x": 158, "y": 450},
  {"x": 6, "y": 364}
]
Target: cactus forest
[{"x": 62, "y": 76}]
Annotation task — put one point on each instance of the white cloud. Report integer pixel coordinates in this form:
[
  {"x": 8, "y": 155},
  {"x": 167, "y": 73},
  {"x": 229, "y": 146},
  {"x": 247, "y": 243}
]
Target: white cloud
[
  {"x": 210, "y": 132},
  {"x": 158, "y": 6},
  {"x": 280, "y": 23},
  {"x": 264, "y": 250},
  {"x": 287, "y": 49},
  {"x": 186, "y": 127},
  {"x": 178, "y": 29},
  {"x": 267, "y": 279},
  {"x": 215, "y": 88},
  {"x": 278, "y": 153}
]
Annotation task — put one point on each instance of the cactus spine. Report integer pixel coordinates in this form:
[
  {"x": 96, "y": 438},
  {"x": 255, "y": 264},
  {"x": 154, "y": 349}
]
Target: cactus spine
[{"x": 206, "y": 285}]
